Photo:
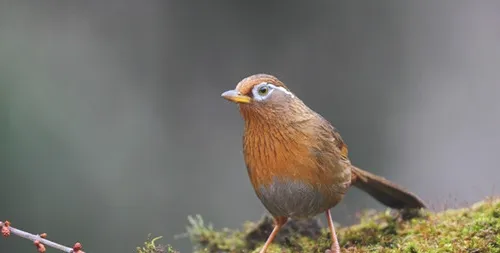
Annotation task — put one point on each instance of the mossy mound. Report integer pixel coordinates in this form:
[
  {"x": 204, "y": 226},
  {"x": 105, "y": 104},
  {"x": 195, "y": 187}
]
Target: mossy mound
[{"x": 475, "y": 230}]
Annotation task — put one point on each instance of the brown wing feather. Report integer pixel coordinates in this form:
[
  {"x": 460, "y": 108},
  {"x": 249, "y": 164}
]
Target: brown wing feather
[{"x": 339, "y": 142}]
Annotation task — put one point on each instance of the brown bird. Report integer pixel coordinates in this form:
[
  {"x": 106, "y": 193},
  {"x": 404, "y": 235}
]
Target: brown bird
[{"x": 297, "y": 161}]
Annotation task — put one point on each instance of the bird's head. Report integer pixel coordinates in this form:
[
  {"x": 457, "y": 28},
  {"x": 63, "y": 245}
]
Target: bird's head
[{"x": 264, "y": 96}]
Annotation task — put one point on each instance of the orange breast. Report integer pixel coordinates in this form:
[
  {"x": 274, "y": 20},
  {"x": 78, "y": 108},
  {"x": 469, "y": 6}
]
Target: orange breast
[{"x": 296, "y": 166}]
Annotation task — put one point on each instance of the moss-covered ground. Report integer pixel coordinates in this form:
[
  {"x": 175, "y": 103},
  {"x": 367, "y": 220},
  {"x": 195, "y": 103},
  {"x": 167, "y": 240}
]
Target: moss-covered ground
[{"x": 474, "y": 229}]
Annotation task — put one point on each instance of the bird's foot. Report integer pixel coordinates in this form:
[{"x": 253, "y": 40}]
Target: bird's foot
[{"x": 333, "y": 250}]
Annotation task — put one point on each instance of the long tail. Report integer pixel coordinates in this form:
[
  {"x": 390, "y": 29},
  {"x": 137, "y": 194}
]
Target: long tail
[{"x": 385, "y": 191}]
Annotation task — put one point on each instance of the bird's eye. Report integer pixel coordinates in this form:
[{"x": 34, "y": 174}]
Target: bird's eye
[{"x": 263, "y": 90}]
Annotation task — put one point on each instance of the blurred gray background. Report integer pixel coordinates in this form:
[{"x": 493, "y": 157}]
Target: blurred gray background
[{"x": 112, "y": 125}]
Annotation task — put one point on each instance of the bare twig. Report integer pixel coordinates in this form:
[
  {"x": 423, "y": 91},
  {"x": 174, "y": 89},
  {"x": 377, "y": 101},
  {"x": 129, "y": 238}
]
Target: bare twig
[{"x": 38, "y": 240}]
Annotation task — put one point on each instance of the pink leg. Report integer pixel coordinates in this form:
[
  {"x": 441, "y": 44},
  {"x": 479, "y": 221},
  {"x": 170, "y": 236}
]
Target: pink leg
[
  {"x": 335, "y": 243},
  {"x": 280, "y": 221}
]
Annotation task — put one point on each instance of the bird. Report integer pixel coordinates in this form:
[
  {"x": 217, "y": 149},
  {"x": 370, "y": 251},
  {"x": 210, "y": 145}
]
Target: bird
[{"x": 297, "y": 161}]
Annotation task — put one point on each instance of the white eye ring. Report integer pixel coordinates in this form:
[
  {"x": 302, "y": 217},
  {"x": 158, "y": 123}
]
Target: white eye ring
[{"x": 262, "y": 91}]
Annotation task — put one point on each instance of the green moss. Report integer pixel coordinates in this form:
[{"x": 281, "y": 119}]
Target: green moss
[
  {"x": 474, "y": 229},
  {"x": 208, "y": 240},
  {"x": 151, "y": 247}
]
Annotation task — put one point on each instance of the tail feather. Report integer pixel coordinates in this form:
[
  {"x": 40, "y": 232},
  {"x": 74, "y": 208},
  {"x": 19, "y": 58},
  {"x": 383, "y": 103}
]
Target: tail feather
[{"x": 385, "y": 191}]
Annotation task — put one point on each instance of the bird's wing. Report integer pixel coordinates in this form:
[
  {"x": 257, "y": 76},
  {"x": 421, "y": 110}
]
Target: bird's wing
[
  {"x": 339, "y": 143},
  {"x": 335, "y": 137},
  {"x": 331, "y": 157}
]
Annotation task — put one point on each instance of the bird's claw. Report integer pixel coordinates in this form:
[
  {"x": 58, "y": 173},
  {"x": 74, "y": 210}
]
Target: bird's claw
[{"x": 332, "y": 251}]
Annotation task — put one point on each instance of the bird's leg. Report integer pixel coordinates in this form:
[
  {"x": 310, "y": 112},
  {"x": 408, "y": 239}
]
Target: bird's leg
[
  {"x": 335, "y": 243},
  {"x": 279, "y": 222}
]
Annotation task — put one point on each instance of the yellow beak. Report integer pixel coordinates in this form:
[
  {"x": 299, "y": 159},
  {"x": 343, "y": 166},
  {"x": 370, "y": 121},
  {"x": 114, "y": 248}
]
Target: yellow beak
[{"x": 236, "y": 97}]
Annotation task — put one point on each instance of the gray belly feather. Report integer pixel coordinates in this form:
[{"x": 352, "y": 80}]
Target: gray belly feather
[{"x": 294, "y": 199}]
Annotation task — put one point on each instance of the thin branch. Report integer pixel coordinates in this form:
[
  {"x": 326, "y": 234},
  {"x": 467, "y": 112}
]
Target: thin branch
[{"x": 37, "y": 239}]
